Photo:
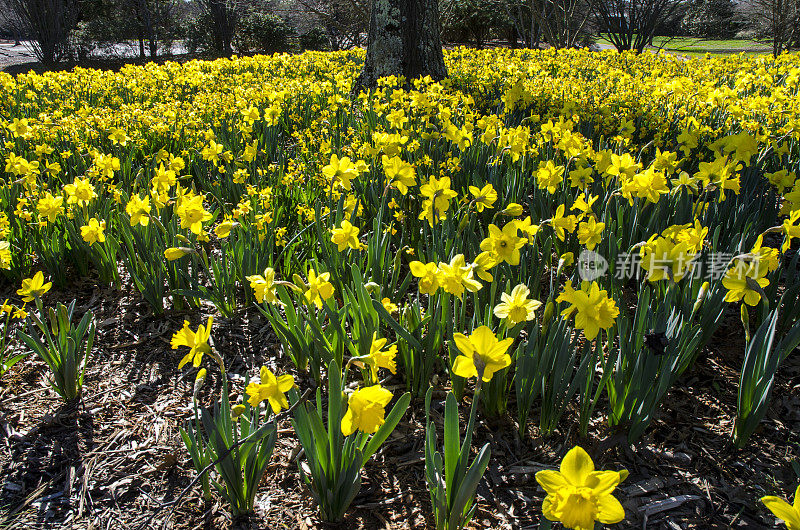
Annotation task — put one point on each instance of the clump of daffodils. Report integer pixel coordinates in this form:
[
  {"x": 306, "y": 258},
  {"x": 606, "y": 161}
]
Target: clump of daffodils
[{"x": 593, "y": 308}]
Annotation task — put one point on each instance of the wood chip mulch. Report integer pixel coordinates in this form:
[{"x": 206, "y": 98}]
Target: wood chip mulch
[{"x": 111, "y": 460}]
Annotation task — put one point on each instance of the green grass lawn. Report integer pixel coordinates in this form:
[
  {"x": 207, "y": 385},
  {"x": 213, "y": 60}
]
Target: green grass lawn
[{"x": 694, "y": 47}]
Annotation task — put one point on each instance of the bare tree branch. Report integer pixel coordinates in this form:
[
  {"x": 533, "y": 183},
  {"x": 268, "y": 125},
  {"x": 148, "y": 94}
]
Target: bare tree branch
[
  {"x": 776, "y": 21},
  {"x": 49, "y": 23},
  {"x": 632, "y": 24}
]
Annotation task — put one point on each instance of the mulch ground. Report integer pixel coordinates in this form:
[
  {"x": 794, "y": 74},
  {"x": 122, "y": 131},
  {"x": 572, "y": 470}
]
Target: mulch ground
[{"x": 113, "y": 459}]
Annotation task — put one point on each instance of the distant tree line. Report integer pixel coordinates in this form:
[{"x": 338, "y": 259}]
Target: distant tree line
[
  {"x": 627, "y": 24},
  {"x": 64, "y": 30},
  {"x": 76, "y": 29}
]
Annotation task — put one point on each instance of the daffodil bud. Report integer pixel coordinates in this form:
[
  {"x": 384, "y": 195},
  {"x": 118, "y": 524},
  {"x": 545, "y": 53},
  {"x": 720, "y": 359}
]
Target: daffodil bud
[
  {"x": 745, "y": 322},
  {"x": 513, "y": 210},
  {"x": 566, "y": 259},
  {"x": 372, "y": 287},
  {"x": 53, "y": 320},
  {"x": 236, "y": 411},
  {"x": 407, "y": 317},
  {"x": 177, "y": 252},
  {"x": 183, "y": 239},
  {"x": 463, "y": 223},
  {"x": 549, "y": 309},
  {"x": 701, "y": 295},
  {"x": 198, "y": 382}
]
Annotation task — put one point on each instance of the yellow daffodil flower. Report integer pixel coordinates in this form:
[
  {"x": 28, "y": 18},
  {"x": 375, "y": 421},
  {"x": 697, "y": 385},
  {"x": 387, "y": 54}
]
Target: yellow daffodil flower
[
  {"x": 577, "y": 495},
  {"x": 744, "y": 281},
  {"x": 365, "y": 411},
  {"x": 139, "y": 210},
  {"x": 429, "y": 276},
  {"x": 388, "y": 305},
  {"x": 481, "y": 348},
  {"x": 590, "y": 233},
  {"x": 340, "y": 171},
  {"x": 483, "y": 197},
  {"x": 346, "y": 236},
  {"x": 456, "y": 277},
  {"x": 594, "y": 309},
  {"x": 264, "y": 286},
  {"x": 504, "y": 244},
  {"x": 437, "y": 195},
  {"x": 380, "y": 357},
  {"x": 400, "y": 174},
  {"x": 271, "y": 389},
  {"x": 193, "y": 214},
  {"x": 94, "y": 232},
  {"x": 80, "y": 192},
  {"x": 549, "y": 176},
  {"x": 50, "y": 206},
  {"x": 517, "y": 307},
  {"x": 319, "y": 288},
  {"x": 34, "y": 287},
  {"x": 196, "y": 341}
]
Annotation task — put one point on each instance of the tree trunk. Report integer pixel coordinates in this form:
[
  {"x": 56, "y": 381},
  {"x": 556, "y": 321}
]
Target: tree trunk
[
  {"x": 224, "y": 17},
  {"x": 149, "y": 30},
  {"x": 403, "y": 41},
  {"x": 511, "y": 31}
]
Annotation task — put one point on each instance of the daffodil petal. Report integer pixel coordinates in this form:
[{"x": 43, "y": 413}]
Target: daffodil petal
[
  {"x": 783, "y": 511},
  {"x": 482, "y": 339},
  {"x": 609, "y": 510},
  {"x": 285, "y": 382},
  {"x": 602, "y": 482},
  {"x": 348, "y": 423},
  {"x": 464, "y": 367},
  {"x": 463, "y": 344},
  {"x": 186, "y": 359},
  {"x": 551, "y": 481},
  {"x": 576, "y": 466}
]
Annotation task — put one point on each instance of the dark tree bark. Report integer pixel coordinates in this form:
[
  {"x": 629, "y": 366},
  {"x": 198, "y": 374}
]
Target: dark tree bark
[
  {"x": 403, "y": 41},
  {"x": 224, "y": 17},
  {"x": 146, "y": 31},
  {"x": 511, "y": 31}
]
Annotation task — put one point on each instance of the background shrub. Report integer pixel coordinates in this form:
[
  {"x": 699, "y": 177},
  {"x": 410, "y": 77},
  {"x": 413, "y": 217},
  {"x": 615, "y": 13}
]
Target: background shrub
[
  {"x": 197, "y": 35},
  {"x": 315, "y": 39},
  {"x": 264, "y": 33}
]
